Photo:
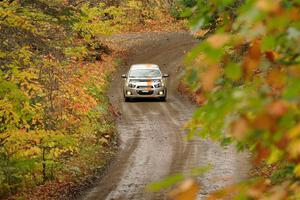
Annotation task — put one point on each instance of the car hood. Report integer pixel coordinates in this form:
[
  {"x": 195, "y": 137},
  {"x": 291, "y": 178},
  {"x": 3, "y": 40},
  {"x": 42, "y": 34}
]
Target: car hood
[{"x": 144, "y": 80}]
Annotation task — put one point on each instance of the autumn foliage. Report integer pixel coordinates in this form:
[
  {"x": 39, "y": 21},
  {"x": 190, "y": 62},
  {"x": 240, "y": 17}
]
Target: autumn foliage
[
  {"x": 51, "y": 108},
  {"x": 247, "y": 67},
  {"x": 53, "y": 78},
  {"x": 55, "y": 119}
]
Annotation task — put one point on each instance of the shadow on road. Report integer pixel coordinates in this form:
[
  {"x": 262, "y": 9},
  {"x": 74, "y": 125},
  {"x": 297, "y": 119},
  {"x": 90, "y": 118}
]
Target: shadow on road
[{"x": 141, "y": 100}]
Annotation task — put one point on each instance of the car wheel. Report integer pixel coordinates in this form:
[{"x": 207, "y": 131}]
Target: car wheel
[
  {"x": 162, "y": 98},
  {"x": 127, "y": 99}
]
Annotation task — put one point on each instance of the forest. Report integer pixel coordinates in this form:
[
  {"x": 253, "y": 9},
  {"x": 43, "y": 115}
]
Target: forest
[
  {"x": 247, "y": 71},
  {"x": 54, "y": 113}
]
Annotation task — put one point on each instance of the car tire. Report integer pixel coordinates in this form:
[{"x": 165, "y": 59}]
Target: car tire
[
  {"x": 127, "y": 99},
  {"x": 163, "y": 98}
]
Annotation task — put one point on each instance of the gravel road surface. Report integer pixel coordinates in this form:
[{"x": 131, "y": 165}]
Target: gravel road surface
[{"x": 151, "y": 134}]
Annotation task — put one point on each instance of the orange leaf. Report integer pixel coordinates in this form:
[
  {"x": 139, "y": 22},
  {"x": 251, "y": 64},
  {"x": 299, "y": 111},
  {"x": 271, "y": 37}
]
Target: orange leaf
[
  {"x": 218, "y": 40},
  {"x": 263, "y": 122},
  {"x": 294, "y": 71},
  {"x": 224, "y": 193},
  {"x": 268, "y": 5},
  {"x": 249, "y": 67},
  {"x": 254, "y": 51},
  {"x": 275, "y": 78},
  {"x": 258, "y": 189},
  {"x": 271, "y": 56},
  {"x": 277, "y": 108},
  {"x": 261, "y": 153},
  {"x": 187, "y": 190},
  {"x": 294, "y": 14},
  {"x": 209, "y": 77},
  {"x": 239, "y": 128}
]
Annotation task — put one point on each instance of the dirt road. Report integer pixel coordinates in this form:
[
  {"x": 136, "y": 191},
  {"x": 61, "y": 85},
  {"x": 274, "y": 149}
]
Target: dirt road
[{"x": 151, "y": 144}]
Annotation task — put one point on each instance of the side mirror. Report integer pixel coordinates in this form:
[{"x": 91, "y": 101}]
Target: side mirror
[
  {"x": 166, "y": 75},
  {"x": 124, "y": 76}
]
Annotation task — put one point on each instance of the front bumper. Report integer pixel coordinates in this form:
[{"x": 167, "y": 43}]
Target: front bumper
[{"x": 140, "y": 93}]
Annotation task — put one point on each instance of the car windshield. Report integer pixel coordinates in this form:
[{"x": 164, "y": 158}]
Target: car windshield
[{"x": 144, "y": 73}]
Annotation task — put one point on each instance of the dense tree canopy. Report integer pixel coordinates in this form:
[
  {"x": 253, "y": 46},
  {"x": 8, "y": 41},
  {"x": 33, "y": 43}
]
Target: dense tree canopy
[
  {"x": 248, "y": 71},
  {"x": 51, "y": 87},
  {"x": 54, "y": 67}
]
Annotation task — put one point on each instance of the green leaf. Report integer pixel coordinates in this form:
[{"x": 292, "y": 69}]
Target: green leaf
[
  {"x": 233, "y": 71},
  {"x": 268, "y": 43},
  {"x": 165, "y": 183},
  {"x": 276, "y": 155},
  {"x": 292, "y": 91},
  {"x": 200, "y": 170}
]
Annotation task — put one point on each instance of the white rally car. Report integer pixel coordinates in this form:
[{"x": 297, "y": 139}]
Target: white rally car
[{"x": 145, "y": 81}]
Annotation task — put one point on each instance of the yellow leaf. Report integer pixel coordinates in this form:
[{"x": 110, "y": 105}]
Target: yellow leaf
[
  {"x": 297, "y": 170},
  {"x": 294, "y": 148},
  {"x": 294, "y": 132}
]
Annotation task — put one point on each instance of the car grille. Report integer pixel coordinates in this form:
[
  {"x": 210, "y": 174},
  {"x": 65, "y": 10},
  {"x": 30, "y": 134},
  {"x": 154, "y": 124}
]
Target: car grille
[
  {"x": 145, "y": 87},
  {"x": 145, "y": 93},
  {"x": 145, "y": 80}
]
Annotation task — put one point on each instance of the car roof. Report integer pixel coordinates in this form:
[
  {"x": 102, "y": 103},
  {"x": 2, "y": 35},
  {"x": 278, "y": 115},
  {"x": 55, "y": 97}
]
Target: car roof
[{"x": 144, "y": 66}]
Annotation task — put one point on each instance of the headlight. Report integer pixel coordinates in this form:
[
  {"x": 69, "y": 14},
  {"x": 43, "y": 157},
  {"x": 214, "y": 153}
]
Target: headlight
[{"x": 131, "y": 85}]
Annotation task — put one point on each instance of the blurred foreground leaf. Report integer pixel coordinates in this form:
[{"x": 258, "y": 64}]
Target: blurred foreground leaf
[
  {"x": 165, "y": 183},
  {"x": 187, "y": 190}
]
